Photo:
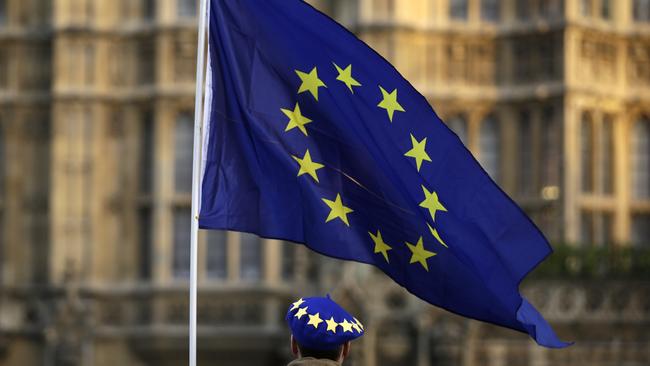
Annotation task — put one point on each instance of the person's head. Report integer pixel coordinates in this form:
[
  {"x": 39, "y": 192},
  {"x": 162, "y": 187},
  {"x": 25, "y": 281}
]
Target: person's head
[
  {"x": 337, "y": 354},
  {"x": 321, "y": 329}
]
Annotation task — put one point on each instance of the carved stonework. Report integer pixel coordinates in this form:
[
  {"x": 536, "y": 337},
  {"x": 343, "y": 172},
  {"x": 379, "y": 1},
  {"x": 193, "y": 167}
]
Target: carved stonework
[
  {"x": 90, "y": 97},
  {"x": 598, "y": 314},
  {"x": 69, "y": 329}
]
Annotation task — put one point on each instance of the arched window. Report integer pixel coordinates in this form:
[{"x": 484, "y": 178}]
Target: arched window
[
  {"x": 607, "y": 155},
  {"x": 186, "y": 8},
  {"x": 183, "y": 136},
  {"x": 585, "y": 7},
  {"x": 181, "y": 251},
  {"x": 217, "y": 254},
  {"x": 596, "y": 228},
  {"x": 458, "y": 9},
  {"x": 551, "y": 148},
  {"x": 183, "y": 140},
  {"x": 641, "y": 230},
  {"x": 606, "y": 9},
  {"x": 587, "y": 153},
  {"x": 146, "y": 151},
  {"x": 641, "y": 10},
  {"x": 3, "y": 12},
  {"x": 288, "y": 261},
  {"x": 251, "y": 258},
  {"x": 149, "y": 9},
  {"x": 490, "y": 147},
  {"x": 551, "y": 8},
  {"x": 526, "y": 160},
  {"x": 458, "y": 124},
  {"x": 641, "y": 159},
  {"x": 523, "y": 9},
  {"x": 490, "y": 10}
]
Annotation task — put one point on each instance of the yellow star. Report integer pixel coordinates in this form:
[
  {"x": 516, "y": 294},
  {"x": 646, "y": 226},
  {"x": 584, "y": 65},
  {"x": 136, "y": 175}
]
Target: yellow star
[
  {"x": 347, "y": 326},
  {"x": 331, "y": 325},
  {"x": 418, "y": 152},
  {"x": 432, "y": 203},
  {"x": 297, "y": 304},
  {"x": 296, "y": 119},
  {"x": 389, "y": 103},
  {"x": 420, "y": 254},
  {"x": 345, "y": 75},
  {"x": 307, "y": 166},
  {"x": 436, "y": 235},
  {"x": 358, "y": 323},
  {"x": 338, "y": 210},
  {"x": 380, "y": 246},
  {"x": 314, "y": 320},
  {"x": 310, "y": 82},
  {"x": 301, "y": 312}
]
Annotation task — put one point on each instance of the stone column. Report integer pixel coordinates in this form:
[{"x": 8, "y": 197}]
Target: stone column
[
  {"x": 233, "y": 256},
  {"x": 622, "y": 136},
  {"x": 423, "y": 341},
  {"x": 469, "y": 346},
  {"x": 508, "y": 123},
  {"x": 370, "y": 348},
  {"x": 497, "y": 353},
  {"x": 537, "y": 355}
]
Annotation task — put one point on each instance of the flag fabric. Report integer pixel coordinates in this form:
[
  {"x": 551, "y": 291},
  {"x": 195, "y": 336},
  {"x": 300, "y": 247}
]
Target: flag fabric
[{"x": 314, "y": 138}]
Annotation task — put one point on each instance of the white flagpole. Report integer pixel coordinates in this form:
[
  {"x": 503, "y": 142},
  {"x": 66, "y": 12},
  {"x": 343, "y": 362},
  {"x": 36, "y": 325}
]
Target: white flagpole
[{"x": 196, "y": 176}]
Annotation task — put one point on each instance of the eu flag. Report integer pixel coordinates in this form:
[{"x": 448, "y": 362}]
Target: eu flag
[{"x": 314, "y": 138}]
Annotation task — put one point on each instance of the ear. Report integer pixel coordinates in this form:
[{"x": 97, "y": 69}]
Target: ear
[
  {"x": 294, "y": 347},
  {"x": 346, "y": 350}
]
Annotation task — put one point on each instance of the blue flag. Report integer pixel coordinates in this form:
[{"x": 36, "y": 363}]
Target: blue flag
[{"x": 314, "y": 138}]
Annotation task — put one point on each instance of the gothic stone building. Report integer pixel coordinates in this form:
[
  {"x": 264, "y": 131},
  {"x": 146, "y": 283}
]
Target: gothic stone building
[{"x": 96, "y": 98}]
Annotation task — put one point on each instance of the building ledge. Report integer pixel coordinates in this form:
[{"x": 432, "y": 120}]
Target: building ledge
[{"x": 238, "y": 345}]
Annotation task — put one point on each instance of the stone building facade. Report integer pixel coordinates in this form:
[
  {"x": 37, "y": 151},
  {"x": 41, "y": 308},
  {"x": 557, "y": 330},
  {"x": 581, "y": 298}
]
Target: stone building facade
[
  {"x": 96, "y": 99},
  {"x": 551, "y": 96}
]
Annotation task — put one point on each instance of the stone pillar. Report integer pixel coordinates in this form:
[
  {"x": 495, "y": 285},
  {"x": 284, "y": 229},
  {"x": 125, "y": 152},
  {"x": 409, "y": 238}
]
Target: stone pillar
[
  {"x": 622, "y": 135},
  {"x": 469, "y": 346},
  {"x": 233, "y": 256},
  {"x": 423, "y": 341},
  {"x": 71, "y": 192},
  {"x": 508, "y": 123},
  {"x": 474, "y": 11},
  {"x": 571, "y": 132},
  {"x": 571, "y": 171},
  {"x": 538, "y": 127},
  {"x": 14, "y": 255},
  {"x": 537, "y": 355},
  {"x": 497, "y": 353},
  {"x": 272, "y": 259},
  {"x": 475, "y": 117},
  {"x": 164, "y": 190},
  {"x": 508, "y": 10},
  {"x": 370, "y": 348}
]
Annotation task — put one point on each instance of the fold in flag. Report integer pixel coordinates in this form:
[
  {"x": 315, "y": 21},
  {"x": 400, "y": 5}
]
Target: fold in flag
[{"x": 314, "y": 138}]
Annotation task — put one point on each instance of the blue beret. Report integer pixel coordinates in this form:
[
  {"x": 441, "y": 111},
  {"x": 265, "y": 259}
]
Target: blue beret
[{"x": 321, "y": 324}]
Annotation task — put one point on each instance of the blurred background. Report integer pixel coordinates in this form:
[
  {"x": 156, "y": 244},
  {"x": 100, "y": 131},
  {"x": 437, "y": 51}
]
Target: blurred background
[{"x": 96, "y": 99}]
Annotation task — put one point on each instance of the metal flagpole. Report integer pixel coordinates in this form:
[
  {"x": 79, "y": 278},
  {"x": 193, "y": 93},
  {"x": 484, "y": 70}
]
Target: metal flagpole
[{"x": 196, "y": 176}]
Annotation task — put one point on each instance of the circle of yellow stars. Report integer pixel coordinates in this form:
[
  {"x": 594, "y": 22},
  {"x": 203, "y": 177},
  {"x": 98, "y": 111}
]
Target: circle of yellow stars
[
  {"x": 314, "y": 320},
  {"x": 311, "y": 83}
]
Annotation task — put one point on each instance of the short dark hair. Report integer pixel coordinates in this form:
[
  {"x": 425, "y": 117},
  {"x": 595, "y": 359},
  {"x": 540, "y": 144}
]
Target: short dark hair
[{"x": 331, "y": 354}]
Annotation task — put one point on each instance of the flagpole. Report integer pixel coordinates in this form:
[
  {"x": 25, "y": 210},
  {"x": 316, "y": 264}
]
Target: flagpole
[{"x": 196, "y": 171}]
